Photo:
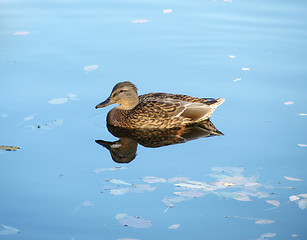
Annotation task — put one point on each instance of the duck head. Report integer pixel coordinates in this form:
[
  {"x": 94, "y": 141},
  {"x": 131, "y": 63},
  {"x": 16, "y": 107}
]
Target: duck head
[{"x": 123, "y": 93}]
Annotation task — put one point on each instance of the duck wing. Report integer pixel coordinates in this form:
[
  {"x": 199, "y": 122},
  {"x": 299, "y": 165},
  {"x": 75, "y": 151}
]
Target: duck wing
[
  {"x": 169, "y": 108},
  {"x": 176, "y": 105},
  {"x": 185, "y": 98},
  {"x": 194, "y": 111}
]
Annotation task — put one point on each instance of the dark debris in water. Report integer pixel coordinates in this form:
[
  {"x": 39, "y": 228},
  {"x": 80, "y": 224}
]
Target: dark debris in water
[{"x": 133, "y": 221}]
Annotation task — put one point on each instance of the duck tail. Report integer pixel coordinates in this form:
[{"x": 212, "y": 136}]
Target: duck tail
[
  {"x": 213, "y": 105},
  {"x": 218, "y": 102}
]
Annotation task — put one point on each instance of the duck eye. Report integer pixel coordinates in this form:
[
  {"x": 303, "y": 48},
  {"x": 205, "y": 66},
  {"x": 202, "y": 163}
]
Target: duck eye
[{"x": 121, "y": 91}]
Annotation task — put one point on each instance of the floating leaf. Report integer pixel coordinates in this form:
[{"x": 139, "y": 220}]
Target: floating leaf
[
  {"x": 238, "y": 180},
  {"x": 120, "y": 216},
  {"x": 235, "y": 171},
  {"x": 264, "y": 221},
  {"x": 88, "y": 204},
  {"x": 261, "y": 195},
  {"x": 169, "y": 201},
  {"x": 132, "y": 221},
  {"x": 150, "y": 179},
  {"x": 90, "y": 68},
  {"x": 140, "y": 188},
  {"x": 99, "y": 170},
  {"x": 237, "y": 79},
  {"x": 174, "y": 226},
  {"x": 292, "y": 179},
  {"x": 302, "y": 203},
  {"x": 140, "y": 21},
  {"x": 62, "y": 100},
  {"x": 21, "y": 33},
  {"x": 190, "y": 194},
  {"x": 196, "y": 183},
  {"x": 273, "y": 202},
  {"x": 177, "y": 179},
  {"x": 226, "y": 184},
  {"x": 294, "y": 198},
  {"x": 9, "y": 148},
  {"x": 189, "y": 186},
  {"x": 230, "y": 179},
  {"x": 167, "y": 10},
  {"x": 72, "y": 96},
  {"x": 235, "y": 195},
  {"x": 7, "y": 230},
  {"x": 267, "y": 235},
  {"x": 30, "y": 117},
  {"x": 118, "y": 182},
  {"x": 58, "y": 100},
  {"x": 120, "y": 191},
  {"x": 252, "y": 185},
  {"x": 242, "y": 197}
]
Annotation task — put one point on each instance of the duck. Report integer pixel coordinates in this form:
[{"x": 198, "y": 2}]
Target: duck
[{"x": 156, "y": 110}]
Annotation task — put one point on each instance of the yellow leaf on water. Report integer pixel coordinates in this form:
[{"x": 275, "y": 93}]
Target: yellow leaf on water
[{"x": 9, "y": 148}]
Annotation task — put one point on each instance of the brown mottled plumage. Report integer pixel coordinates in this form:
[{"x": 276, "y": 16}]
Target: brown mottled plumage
[{"x": 156, "y": 110}]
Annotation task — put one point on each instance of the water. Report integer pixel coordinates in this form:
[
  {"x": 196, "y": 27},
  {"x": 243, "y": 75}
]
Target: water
[{"x": 61, "y": 184}]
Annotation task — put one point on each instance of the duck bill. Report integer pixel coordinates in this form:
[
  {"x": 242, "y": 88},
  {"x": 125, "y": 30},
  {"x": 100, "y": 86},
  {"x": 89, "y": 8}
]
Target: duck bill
[
  {"x": 105, "y": 103},
  {"x": 107, "y": 145}
]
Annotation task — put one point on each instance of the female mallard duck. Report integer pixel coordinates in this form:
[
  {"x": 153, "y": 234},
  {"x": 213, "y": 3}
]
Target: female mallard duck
[{"x": 156, "y": 110}]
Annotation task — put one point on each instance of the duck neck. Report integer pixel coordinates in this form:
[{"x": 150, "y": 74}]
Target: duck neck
[{"x": 129, "y": 104}]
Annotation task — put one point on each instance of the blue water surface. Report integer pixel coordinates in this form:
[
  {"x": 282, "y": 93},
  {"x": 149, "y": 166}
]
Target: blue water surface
[{"x": 60, "y": 58}]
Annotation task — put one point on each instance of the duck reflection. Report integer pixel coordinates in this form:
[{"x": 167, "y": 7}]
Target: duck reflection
[{"x": 124, "y": 150}]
